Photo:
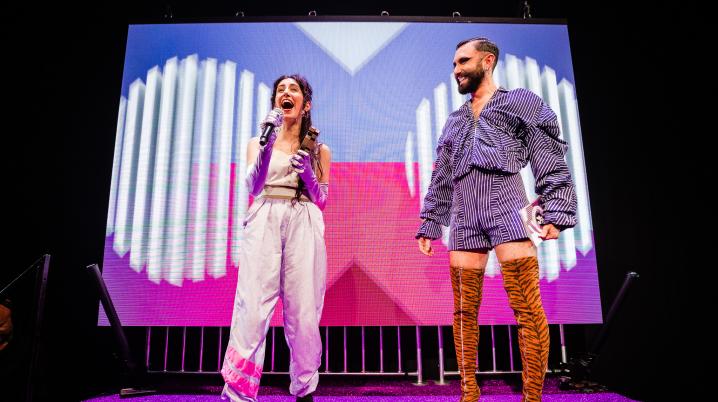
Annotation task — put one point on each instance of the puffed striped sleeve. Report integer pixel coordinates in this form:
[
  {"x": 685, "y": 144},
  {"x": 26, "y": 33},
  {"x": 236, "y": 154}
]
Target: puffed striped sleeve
[
  {"x": 553, "y": 180},
  {"x": 437, "y": 202}
]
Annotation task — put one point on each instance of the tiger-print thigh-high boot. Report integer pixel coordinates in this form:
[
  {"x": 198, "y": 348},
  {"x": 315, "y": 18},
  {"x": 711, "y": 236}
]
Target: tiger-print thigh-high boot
[
  {"x": 467, "y": 284},
  {"x": 521, "y": 281}
]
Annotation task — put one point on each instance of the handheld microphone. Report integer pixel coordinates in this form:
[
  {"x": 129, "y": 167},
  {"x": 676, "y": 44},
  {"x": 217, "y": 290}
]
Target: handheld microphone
[{"x": 269, "y": 126}]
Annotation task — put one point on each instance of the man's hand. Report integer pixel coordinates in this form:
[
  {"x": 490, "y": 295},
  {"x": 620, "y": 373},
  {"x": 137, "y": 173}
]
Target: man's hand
[
  {"x": 425, "y": 246},
  {"x": 549, "y": 232}
]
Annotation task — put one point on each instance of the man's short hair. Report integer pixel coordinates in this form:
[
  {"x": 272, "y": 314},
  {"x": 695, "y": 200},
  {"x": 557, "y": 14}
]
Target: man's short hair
[{"x": 483, "y": 45}]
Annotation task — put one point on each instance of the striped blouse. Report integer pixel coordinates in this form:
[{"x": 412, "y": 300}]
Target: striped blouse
[{"x": 514, "y": 128}]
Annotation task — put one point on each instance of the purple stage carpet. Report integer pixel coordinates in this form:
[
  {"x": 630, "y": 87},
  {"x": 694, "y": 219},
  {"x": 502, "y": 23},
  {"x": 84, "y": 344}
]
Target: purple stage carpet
[
  {"x": 602, "y": 397},
  {"x": 374, "y": 390}
]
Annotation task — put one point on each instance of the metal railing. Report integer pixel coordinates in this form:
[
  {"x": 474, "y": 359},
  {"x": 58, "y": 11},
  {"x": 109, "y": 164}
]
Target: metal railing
[{"x": 376, "y": 351}]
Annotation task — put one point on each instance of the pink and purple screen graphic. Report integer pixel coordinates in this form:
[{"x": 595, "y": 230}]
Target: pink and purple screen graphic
[{"x": 192, "y": 96}]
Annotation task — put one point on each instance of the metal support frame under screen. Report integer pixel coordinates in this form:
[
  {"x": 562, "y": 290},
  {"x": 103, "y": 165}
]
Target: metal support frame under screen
[{"x": 393, "y": 351}]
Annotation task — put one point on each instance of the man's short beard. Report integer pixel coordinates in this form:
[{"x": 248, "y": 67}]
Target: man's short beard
[{"x": 473, "y": 81}]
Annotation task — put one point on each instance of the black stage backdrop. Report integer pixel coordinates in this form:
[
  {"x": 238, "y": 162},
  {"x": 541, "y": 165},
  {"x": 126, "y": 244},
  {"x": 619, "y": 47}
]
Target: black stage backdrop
[{"x": 634, "y": 70}]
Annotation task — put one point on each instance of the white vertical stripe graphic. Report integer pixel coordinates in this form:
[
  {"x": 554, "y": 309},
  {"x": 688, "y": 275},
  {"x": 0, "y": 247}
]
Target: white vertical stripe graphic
[
  {"x": 425, "y": 145},
  {"x": 566, "y": 243},
  {"x": 409, "y": 163},
  {"x": 145, "y": 162},
  {"x": 500, "y": 74},
  {"x": 514, "y": 72},
  {"x": 548, "y": 252},
  {"x": 441, "y": 106},
  {"x": 125, "y": 194},
  {"x": 155, "y": 251},
  {"x": 533, "y": 76},
  {"x": 244, "y": 134},
  {"x": 181, "y": 163},
  {"x": 263, "y": 103},
  {"x": 550, "y": 93},
  {"x": 116, "y": 162},
  {"x": 441, "y": 109},
  {"x": 572, "y": 129},
  {"x": 202, "y": 159},
  {"x": 492, "y": 265},
  {"x": 223, "y": 155},
  {"x": 533, "y": 80}
]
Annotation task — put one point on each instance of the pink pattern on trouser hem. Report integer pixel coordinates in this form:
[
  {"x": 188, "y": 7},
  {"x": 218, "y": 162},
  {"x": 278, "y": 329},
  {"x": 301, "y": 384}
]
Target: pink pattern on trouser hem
[
  {"x": 245, "y": 366},
  {"x": 238, "y": 382}
]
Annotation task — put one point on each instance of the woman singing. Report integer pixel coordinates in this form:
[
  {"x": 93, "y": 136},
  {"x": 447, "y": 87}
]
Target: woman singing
[{"x": 282, "y": 251}]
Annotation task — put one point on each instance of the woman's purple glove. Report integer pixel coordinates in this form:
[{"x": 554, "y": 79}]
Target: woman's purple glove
[
  {"x": 275, "y": 117},
  {"x": 317, "y": 192},
  {"x": 257, "y": 171}
]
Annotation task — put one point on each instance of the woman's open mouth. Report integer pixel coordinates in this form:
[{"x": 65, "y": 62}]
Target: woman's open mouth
[{"x": 287, "y": 104}]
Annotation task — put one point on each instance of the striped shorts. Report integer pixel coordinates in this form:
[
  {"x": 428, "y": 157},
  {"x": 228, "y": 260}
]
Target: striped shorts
[{"x": 485, "y": 210}]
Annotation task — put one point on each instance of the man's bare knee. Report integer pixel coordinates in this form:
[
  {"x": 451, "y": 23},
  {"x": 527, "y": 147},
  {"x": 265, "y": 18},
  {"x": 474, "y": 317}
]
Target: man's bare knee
[
  {"x": 469, "y": 258},
  {"x": 515, "y": 249}
]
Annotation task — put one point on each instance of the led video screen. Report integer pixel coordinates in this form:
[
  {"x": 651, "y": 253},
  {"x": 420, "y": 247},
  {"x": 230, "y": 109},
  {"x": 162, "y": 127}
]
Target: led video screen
[{"x": 192, "y": 97}]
